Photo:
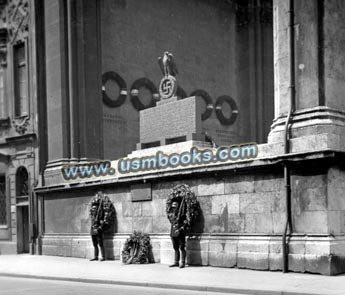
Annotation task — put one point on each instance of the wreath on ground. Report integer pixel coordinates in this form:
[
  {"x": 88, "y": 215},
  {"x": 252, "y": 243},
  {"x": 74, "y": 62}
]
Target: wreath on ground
[
  {"x": 189, "y": 205},
  {"x": 137, "y": 249}
]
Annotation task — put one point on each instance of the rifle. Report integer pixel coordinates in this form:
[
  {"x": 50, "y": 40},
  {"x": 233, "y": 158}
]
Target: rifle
[
  {"x": 180, "y": 211},
  {"x": 99, "y": 210}
]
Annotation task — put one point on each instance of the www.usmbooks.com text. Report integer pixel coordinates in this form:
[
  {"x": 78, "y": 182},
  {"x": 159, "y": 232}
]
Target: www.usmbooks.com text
[
  {"x": 87, "y": 170},
  {"x": 191, "y": 158},
  {"x": 159, "y": 161}
]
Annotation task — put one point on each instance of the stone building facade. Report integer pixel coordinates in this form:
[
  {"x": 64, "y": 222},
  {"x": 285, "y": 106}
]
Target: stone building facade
[
  {"x": 268, "y": 72},
  {"x": 20, "y": 97}
]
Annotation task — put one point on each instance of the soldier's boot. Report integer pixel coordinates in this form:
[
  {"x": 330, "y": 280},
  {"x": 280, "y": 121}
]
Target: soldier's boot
[
  {"x": 175, "y": 264},
  {"x": 95, "y": 256},
  {"x": 177, "y": 258},
  {"x": 183, "y": 258},
  {"x": 103, "y": 253}
]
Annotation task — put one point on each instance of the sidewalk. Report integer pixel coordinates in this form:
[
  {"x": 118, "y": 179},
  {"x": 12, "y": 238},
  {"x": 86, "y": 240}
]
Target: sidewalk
[{"x": 214, "y": 279}]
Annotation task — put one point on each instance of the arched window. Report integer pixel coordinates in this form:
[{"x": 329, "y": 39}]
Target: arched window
[{"x": 22, "y": 176}]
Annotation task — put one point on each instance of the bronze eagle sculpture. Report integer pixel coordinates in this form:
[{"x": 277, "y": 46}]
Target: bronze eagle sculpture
[{"x": 167, "y": 64}]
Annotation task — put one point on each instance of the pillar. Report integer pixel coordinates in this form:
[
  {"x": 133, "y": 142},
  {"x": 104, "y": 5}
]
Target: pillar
[
  {"x": 57, "y": 82},
  {"x": 319, "y": 72},
  {"x": 317, "y": 128},
  {"x": 73, "y": 84}
]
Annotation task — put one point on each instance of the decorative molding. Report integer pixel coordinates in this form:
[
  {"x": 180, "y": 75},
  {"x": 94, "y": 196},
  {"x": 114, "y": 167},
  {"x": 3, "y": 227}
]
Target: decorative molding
[
  {"x": 28, "y": 137},
  {"x": 17, "y": 20},
  {"x": 21, "y": 124},
  {"x": 4, "y": 123},
  {"x": 5, "y": 158}
]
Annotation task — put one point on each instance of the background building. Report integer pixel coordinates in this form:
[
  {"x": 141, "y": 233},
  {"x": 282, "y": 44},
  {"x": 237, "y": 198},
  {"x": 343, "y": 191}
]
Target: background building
[
  {"x": 65, "y": 66},
  {"x": 21, "y": 87}
]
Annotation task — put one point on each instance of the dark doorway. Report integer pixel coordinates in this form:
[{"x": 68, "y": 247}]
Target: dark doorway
[{"x": 23, "y": 229}]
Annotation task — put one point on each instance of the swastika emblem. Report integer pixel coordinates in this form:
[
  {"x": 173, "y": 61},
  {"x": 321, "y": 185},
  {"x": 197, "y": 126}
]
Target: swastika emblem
[{"x": 167, "y": 87}]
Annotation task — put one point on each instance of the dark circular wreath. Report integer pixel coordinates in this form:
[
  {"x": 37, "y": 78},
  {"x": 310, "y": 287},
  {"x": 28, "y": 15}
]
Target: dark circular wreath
[
  {"x": 183, "y": 194},
  {"x": 180, "y": 93},
  {"x": 106, "y": 210},
  {"x": 208, "y": 100},
  {"x": 143, "y": 82},
  {"x": 123, "y": 89},
  {"x": 219, "y": 111},
  {"x": 137, "y": 249}
]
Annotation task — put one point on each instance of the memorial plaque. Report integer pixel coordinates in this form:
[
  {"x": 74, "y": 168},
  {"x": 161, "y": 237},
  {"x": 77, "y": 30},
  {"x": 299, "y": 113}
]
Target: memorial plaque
[{"x": 141, "y": 192}]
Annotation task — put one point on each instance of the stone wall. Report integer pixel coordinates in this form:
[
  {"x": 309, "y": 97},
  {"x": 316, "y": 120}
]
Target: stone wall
[
  {"x": 336, "y": 200},
  {"x": 251, "y": 203},
  {"x": 243, "y": 218}
]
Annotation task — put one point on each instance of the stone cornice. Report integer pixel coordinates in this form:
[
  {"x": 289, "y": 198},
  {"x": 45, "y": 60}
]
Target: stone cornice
[
  {"x": 269, "y": 161},
  {"x": 26, "y": 137}
]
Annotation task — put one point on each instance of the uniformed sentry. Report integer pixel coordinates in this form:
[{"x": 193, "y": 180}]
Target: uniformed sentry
[
  {"x": 97, "y": 226},
  {"x": 178, "y": 233}
]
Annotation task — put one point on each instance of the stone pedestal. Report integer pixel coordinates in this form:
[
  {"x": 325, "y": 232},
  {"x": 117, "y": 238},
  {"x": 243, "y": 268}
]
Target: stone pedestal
[
  {"x": 178, "y": 147},
  {"x": 177, "y": 121},
  {"x": 168, "y": 100}
]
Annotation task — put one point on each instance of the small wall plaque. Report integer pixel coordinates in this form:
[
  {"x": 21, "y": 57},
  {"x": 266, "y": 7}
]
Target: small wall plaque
[{"x": 141, "y": 192}]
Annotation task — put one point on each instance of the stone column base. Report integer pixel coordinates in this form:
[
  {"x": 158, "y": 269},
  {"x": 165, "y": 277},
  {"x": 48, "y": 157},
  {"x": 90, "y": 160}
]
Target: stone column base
[{"x": 314, "y": 121}]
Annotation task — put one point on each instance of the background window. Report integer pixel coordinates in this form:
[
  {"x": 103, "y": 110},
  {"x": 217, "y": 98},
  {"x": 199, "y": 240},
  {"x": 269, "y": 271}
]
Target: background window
[
  {"x": 3, "y": 215},
  {"x": 22, "y": 182},
  {"x": 20, "y": 81}
]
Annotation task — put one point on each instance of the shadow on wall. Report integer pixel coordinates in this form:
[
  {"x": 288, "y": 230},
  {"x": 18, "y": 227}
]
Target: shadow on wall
[
  {"x": 194, "y": 247},
  {"x": 109, "y": 240}
]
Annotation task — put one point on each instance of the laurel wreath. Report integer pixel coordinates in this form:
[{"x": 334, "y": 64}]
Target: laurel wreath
[
  {"x": 137, "y": 249},
  {"x": 135, "y": 100},
  {"x": 179, "y": 193},
  {"x": 106, "y": 213},
  {"x": 219, "y": 110},
  {"x": 208, "y": 101},
  {"x": 180, "y": 93},
  {"x": 114, "y": 103}
]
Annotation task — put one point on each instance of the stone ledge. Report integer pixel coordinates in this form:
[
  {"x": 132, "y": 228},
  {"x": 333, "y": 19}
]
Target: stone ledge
[{"x": 307, "y": 149}]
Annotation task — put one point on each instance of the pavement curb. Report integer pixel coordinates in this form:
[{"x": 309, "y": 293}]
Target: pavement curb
[{"x": 158, "y": 285}]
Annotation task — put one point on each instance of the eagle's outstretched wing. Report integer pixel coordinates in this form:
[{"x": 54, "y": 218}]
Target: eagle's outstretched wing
[
  {"x": 172, "y": 66},
  {"x": 161, "y": 66}
]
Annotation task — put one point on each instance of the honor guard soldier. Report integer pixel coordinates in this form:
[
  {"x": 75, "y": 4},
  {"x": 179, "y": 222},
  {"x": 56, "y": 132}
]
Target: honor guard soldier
[
  {"x": 178, "y": 233},
  {"x": 97, "y": 223}
]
